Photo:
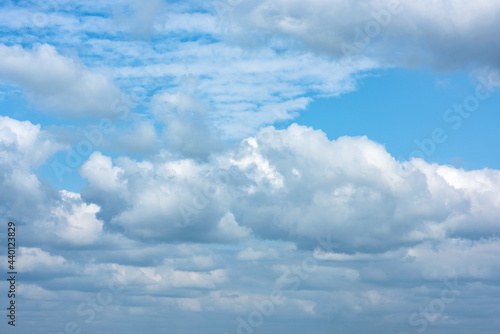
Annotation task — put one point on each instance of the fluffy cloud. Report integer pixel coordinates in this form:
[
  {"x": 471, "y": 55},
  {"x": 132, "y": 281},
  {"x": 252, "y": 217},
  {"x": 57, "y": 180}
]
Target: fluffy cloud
[
  {"x": 31, "y": 259},
  {"x": 76, "y": 221},
  {"x": 295, "y": 184},
  {"x": 252, "y": 218},
  {"x": 52, "y": 215},
  {"x": 25, "y": 143},
  {"x": 172, "y": 198},
  {"x": 23, "y": 147},
  {"x": 307, "y": 186},
  {"x": 57, "y": 83}
]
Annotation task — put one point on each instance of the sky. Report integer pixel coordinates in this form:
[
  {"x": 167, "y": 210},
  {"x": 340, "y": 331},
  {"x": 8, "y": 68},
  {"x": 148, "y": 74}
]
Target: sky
[{"x": 251, "y": 166}]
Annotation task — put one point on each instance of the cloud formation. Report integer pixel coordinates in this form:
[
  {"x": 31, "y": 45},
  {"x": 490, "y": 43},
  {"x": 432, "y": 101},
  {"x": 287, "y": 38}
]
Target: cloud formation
[
  {"x": 217, "y": 236},
  {"x": 295, "y": 184},
  {"x": 57, "y": 83},
  {"x": 189, "y": 206}
]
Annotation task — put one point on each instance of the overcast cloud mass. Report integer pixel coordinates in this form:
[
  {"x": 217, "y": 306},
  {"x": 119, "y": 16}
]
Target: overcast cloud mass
[{"x": 162, "y": 163}]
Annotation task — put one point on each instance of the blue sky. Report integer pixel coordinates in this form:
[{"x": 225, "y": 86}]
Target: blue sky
[
  {"x": 237, "y": 166},
  {"x": 398, "y": 106}
]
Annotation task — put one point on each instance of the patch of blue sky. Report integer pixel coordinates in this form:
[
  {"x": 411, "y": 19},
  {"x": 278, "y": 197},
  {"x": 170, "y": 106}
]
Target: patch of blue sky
[
  {"x": 13, "y": 104},
  {"x": 69, "y": 180},
  {"x": 399, "y": 107}
]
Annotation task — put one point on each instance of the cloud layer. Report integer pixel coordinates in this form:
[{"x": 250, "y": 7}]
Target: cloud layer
[
  {"x": 295, "y": 184},
  {"x": 441, "y": 34},
  {"x": 200, "y": 207},
  {"x": 328, "y": 226}
]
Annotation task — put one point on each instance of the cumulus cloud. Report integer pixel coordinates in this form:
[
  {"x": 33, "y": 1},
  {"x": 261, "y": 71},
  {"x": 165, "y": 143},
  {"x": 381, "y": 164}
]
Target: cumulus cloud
[
  {"x": 77, "y": 223},
  {"x": 294, "y": 184},
  {"x": 32, "y": 145},
  {"x": 172, "y": 198},
  {"x": 57, "y": 83},
  {"x": 220, "y": 235},
  {"x": 24, "y": 147},
  {"x": 51, "y": 214},
  {"x": 302, "y": 185}
]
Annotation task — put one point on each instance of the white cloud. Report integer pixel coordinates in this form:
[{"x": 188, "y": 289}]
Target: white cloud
[
  {"x": 16, "y": 18},
  {"x": 350, "y": 189},
  {"x": 32, "y": 145},
  {"x": 240, "y": 90},
  {"x": 164, "y": 277},
  {"x": 23, "y": 148},
  {"x": 458, "y": 258},
  {"x": 57, "y": 83},
  {"x": 167, "y": 195},
  {"x": 228, "y": 227},
  {"x": 33, "y": 291},
  {"x": 76, "y": 223},
  {"x": 192, "y": 23},
  {"x": 31, "y": 259},
  {"x": 138, "y": 18},
  {"x": 100, "y": 173}
]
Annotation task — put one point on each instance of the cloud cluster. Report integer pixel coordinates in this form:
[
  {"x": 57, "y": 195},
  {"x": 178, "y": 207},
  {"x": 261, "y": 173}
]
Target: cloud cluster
[
  {"x": 218, "y": 236},
  {"x": 171, "y": 198},
  {"x": 23, "y": 147},
  {"x": 57, "y": 215},
  {"x": 295, "y": 184},
  {"x": 199, "y": 214}
]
